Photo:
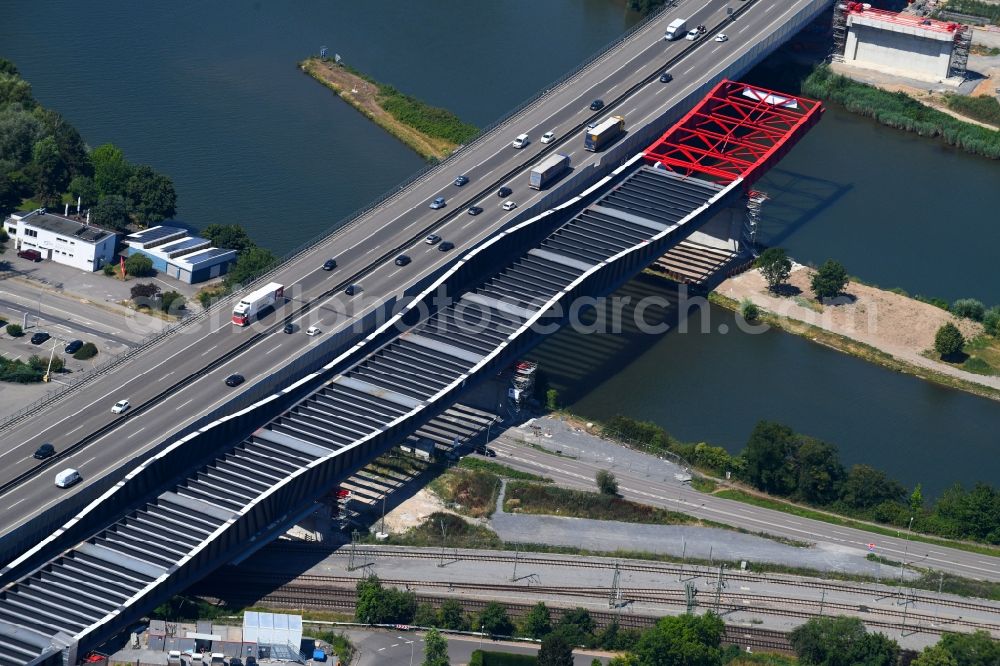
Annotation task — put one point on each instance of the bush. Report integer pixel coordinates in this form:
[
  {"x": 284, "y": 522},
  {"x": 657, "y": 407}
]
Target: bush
[
  {"x": 991, "y": 321},
  {"x": 88, "y": 350},
  {"x": 143, "y": 292},
  {"x": 749, "y": 310},
  {"x": 15, "y": 330},
  {"x": 606, "y": 482},
  {"x": 948, "y": 341},
  {"x": 139, "y": 265},
  {"x": 172, "y": 302},
  {"x": 552, "y": 399},
  {"x": 968, "y": 308},
  {"x": 109, "y": 269}
]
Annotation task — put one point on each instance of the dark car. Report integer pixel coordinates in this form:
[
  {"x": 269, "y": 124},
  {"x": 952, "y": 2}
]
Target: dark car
[
  {"x": 445, "y": 246},
  {"x": 73, "y": 347},
  {"x": 235, "y": 661},
  {"x": 597, "y": 104},
  {"x": 666, "y": 77},
  {"x": 352, "y": 289},
  {"x": 329, "y": 264},
  {"x": 402, "y": 260},
  {"x": 234, "y": 380},
  {"x": 289, "y": 328},
  {"x": 461, "y": 180},
  {"x": 475, "y": 210},
  {"x": 486, "y": 451},
  {"x": 39, "y": 338},
  {"x": 45, "y": 451},
  {"x": 33, "y": 255},
  {"x": 504, "y": 192},
  {"x": 702, "y": 29}
]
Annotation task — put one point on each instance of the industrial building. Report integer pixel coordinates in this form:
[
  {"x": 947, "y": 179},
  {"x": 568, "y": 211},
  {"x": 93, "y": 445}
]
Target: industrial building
[
  {"x": 900, "y": 43},
  {"x": 174, "y": 253},
  {"x": 63, "y": 239}
]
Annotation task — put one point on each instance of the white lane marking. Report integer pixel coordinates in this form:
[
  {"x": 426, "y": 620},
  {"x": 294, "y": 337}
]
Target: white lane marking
[
  {"x": 181, "y": 406},
  {"x": 87, "y": 461},
  {"x": 16, "y": 503},
  {"x": 272, "y": 349},
  {"x": 136, "y": 432}
]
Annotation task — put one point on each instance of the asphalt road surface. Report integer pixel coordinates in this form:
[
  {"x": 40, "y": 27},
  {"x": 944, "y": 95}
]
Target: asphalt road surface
[{"x": 379, "y": 233}]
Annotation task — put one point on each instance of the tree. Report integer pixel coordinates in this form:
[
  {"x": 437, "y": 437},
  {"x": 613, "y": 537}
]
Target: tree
[
  {"x": 819, "y": 472},
  {"x": 975, "y": 649},
  {"x": 72, "y": 148},
  {"x": 841, "y": 641},
  {"x": 378, "y": 605},
  {"x": 968, "y": 308},
  {"x": 606, "y": 482},
  {"x": 20, "y": 130},
  {"x": 555, "y": 651},
  {"x": 145, "y": 291},
  {"x": 577, "y": 627},
  {"x": 830, "y": 280},
  {"x": 172, "y": 302},
  {"x": 495, "y": 621},
  {"x": 948, "y": 341},
  {"x": 991, "y": 319},
  {"x": 552, "y": 399},
  {"x": 452, "y": 616},
  {"x": 775, "y": 267},
  {"x": 15, "y": 90},
  {"x": 110, "y": 213},
  {"x": 435, "y": 649},
  {"x": 84, "y": 189},
  {"x": 538, "y": 622},
  {"x": 15, "y": 330},
  {"x": 917, "y": 500},
  {"x": 228, "y": 236},
  {"x": 150, "y": 196},
  {"x": 684, "y": 640},
  {"x": 935, "y": 655},
  {"x": 251, "y": 263},
  {"x": 139, "y": 265},
  {"x": 866, "y": 487},
  {"x": 769, "y": 458},
  {"x": 47, "y": 172},
  {"x": 111, "y": 170}
]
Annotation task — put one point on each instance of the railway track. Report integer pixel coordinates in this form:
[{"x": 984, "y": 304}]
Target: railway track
[{"x": 627, "y": 565}]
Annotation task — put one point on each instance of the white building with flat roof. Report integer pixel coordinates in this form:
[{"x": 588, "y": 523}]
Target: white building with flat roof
[{"x": 62, "y": 239}]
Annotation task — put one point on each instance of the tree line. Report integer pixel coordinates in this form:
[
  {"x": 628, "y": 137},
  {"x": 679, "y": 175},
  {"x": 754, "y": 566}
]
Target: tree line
[{"x": 44, "y": 161}]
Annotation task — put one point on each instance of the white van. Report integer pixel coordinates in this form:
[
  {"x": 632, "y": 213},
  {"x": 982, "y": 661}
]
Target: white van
[
  {"x": 67, "y": 478},
  {"x": 521, "y": 141}
]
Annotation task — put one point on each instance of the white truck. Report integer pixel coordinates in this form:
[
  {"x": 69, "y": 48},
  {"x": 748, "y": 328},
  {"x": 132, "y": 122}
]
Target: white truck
[
  {"x": 676, "y": 30},
  {"x": 249, "y": 308}
]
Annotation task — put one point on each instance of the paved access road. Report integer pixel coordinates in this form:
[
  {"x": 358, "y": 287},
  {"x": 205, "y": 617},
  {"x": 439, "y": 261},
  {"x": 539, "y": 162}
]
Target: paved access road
[
  {"x": 649, "y": 480},
  {"x": 368, "y": 245}
]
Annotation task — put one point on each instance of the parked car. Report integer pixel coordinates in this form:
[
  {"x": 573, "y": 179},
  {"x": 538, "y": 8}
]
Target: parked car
[
  {"x": 329, "y": 264},
  {"x": 597, "y": 105},
  {"x": 548, "y": 137},
  {"x": 402, "y": 260},
  {"x": 486, "y": 451},
  {"x": 475, "y": 210},
  {"x": 235, "y": 380},
  {"x": 45, "y": 451},
  {"x": 721, "y": 37},
  {"x": 289, "y": 328},
  {"x": 39, "y": 338},
  {"x": 73, "y": 347},
  {"x": 33, "y": 255},
  {"x": 445, "y": 246},
  {"x": 509, "y": 205},
  {"x": 666, "y": 77},
  {"x": 313, "y": 331},
  {"x": 433, "y": 239},
  {"x": 461, "y": 180},
  {"x": 438, "y": 203},
  {"x": 120, "y": 407},
  {"x": 504, "y": 192}
]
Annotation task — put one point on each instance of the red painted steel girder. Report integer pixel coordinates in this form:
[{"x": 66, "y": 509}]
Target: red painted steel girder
[{"x": 736, "y": 131}]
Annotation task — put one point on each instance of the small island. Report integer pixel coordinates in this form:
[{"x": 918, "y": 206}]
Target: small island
[{"x": 431, "y": 131}]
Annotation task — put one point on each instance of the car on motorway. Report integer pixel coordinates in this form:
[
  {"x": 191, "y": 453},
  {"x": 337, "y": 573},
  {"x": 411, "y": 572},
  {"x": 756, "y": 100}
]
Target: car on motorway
[
  {"x": 67, "y": 478},
  {"x": 692, "y": 35},
  {"x": 313, "y": 331},
  {"x": 39, "y": 338},
  {"x": 44, "y": 451},
  {"x": 433, "y": 239},
  {"x": 329, "y": 264},
  {"x": 73, "y": 347},
  {"x": 509, "y": 205},
  {"x": 120, "y": 407},
  {"x": 504, "y": 192},
  {"x": 548, "y": 137},
  {"x": 402, "y": 260},
  {"x": 289, "y": 328},
  {"x": 461, "y": 180},
  {"x": 32, "y": 255},
  {"x": 438, "y": 203},
  {"x": 520, "y": 141},
  {"x": 666, "y": 77},
  {"x": 597, "y": 105},
  {"x": 702, "y": 29},
  {"x": 721, "y": 37},
  {"x": 475, "y": 210},
  {"x": 235, "y": 379},
  {"x": 446, "y": 245},
  {"x": 352, "y": 289}
]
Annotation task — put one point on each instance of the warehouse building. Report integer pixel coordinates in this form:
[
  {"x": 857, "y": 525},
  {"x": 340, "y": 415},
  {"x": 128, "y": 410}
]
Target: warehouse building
[
  {"x": 190, "y": 259},
  {"x": 62, "y": 239}
]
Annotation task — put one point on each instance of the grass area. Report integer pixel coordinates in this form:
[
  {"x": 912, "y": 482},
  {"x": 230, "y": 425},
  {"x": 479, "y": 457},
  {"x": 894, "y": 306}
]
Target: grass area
[
  {"x": 860, "y": 349},
  {"x": 983, "y": 8},
  {"x": 471, "y": 492},
  {"x": 900, "y": 111},
  {"x": 444, "y": 530},
  {"x": 813, "y": 514},
  {"x": 703, "y": 485},
  {"x": 501, "y": 470},
  {"x": 552, "y": 500},
  {"x": 983, "y": 355},
  {"x": 983, "y": 108}
]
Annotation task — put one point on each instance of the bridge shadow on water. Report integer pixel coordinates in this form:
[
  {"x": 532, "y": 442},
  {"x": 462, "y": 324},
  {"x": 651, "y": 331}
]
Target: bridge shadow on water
[{"x": 794, "y": 200}]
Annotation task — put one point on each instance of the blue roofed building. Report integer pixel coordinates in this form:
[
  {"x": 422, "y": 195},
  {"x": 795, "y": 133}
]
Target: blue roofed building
[{"x": 175, "y": 253}]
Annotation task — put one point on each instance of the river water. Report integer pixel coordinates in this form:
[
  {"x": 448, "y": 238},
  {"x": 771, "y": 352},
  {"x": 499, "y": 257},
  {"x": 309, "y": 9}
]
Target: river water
[{"x": 209, "y": 94}]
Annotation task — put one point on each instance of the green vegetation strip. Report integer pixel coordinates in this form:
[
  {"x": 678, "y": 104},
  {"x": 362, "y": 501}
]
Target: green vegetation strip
[
  {"x": 804, "y": 512},
  {"x": 901, "y": 111},
  {"x": 983, "y": 108},
  {"x": 552, "y": 500},
  {"x": 501, "y": 470}
]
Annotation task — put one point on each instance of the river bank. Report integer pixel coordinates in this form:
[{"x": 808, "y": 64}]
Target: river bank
[
  {"x": 883, "y": 327},
  {"x": 432, "y": 132}
]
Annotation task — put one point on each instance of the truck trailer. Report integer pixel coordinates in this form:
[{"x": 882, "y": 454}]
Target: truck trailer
[
  {"x": 550, "y": 168},
  {"x": 676, "y": 30},
  {"x": 604, "y": 133},
  {"x": 250, "y": 306}
]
